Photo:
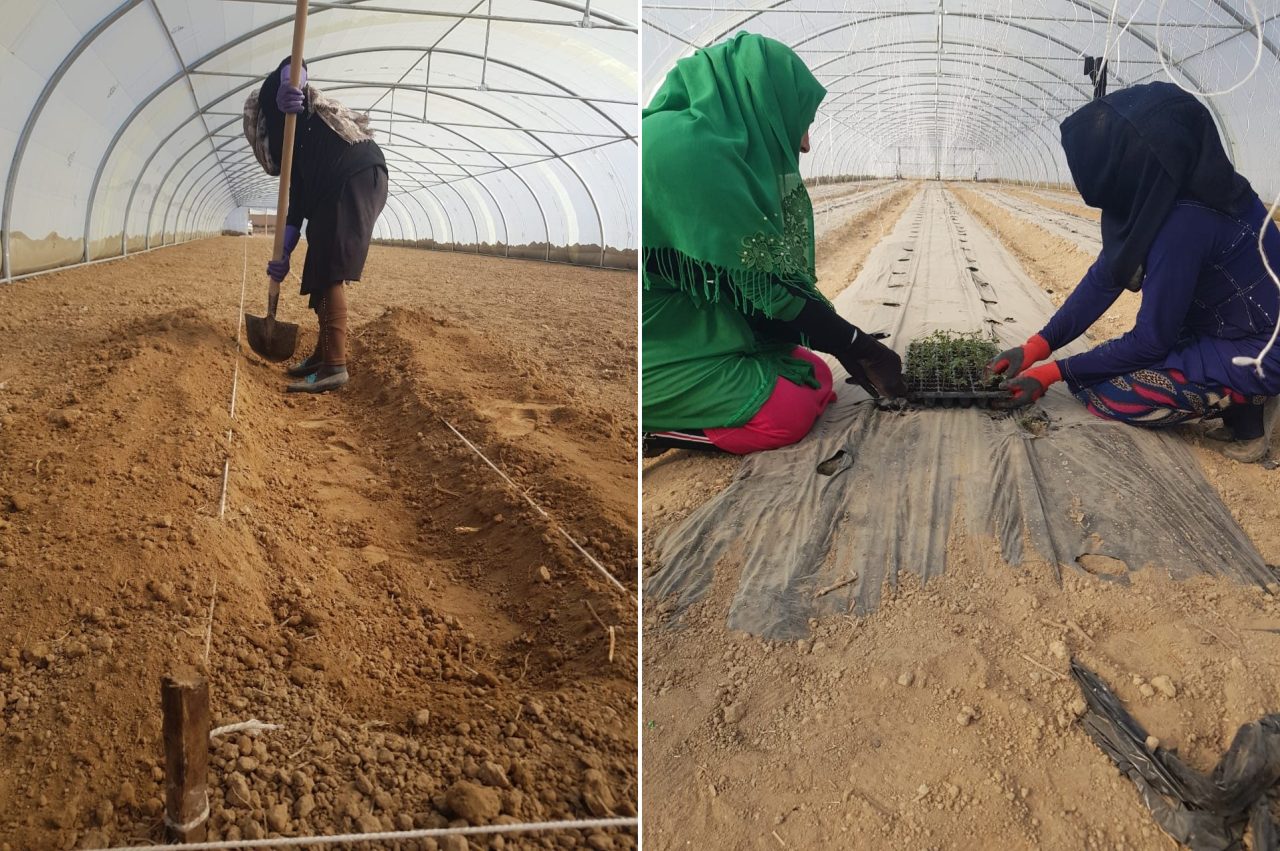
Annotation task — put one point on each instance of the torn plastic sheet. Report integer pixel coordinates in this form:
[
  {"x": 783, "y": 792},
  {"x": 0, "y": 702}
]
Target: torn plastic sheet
[
  {"x": 1080, "y": 487},
  {"x": 1204, "y": 812}
]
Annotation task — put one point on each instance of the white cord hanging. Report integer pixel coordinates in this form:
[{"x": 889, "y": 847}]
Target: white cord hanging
[
  {"x": 1256, "y": 362},
  {"x": 1257, "y": 58}
]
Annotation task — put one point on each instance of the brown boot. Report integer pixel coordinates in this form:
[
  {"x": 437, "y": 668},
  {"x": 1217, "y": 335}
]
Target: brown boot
[
  {"x": 315, "y": 360},
  {"x": 332, "y": 373}
]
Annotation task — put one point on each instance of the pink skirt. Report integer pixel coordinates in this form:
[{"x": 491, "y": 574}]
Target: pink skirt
[{"x": 785, "y": 417}]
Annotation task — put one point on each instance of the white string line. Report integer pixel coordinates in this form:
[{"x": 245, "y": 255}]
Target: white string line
[
  {"x": 387, "y": 836},
  {"x": 244, "y": 280},
  {"x": 598, "y": 566},
  {"x": 226, "y": 470},
  {"x": 1111, "y": 25},
  {"x": 187, "y": 827},
  {"x": 1256, "y": 362},
  {"x": 253, "y": 726},
  {"x": 235, "y": 382},
  {"x": 208, "y": 629},
  {"x": 1113, "y": 44}
]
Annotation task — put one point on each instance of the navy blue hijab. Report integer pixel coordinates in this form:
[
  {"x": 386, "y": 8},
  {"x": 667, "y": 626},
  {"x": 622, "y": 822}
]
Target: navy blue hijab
[
  {"x": 1137, "y": 152},
  {"x": 267, "y": 103}
]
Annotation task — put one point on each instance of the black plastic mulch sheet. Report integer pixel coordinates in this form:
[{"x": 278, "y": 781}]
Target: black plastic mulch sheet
[
  {"x": 797, "y": 525},
  {"x": 1205, "y": 812}
]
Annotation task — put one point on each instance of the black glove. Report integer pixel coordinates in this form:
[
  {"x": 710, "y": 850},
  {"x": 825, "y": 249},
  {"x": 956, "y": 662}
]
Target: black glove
[{"x": 871, "y": 364}]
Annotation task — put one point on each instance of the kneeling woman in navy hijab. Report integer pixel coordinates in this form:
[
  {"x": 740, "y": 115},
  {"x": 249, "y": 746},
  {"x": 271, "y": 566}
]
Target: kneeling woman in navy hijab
[{"x": 1181, "y": 226}]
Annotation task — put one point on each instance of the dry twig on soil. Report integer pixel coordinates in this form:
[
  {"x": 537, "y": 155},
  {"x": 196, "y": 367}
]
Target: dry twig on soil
[{"x": 837, "y": 585}]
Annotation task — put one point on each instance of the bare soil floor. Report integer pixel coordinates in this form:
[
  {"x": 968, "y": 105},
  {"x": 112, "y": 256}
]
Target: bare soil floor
[
  {"x": 945, "y": 719},
  {"x": 434, "y": 652}
]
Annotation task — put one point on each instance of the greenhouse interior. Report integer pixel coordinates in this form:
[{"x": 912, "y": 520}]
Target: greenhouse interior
[
  {"x": 317, "y": 515},
  {"x": 956, "y": 89},
  {"x": 122, "y": 128},
  {"x": 1011, "y": 602}
]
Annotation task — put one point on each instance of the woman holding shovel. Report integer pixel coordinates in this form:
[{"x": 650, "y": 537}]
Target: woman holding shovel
[
  {"x": 338, "y": 185},
  {"x": 1180, "y": 226},
  {"x": 729, "y": 282}
]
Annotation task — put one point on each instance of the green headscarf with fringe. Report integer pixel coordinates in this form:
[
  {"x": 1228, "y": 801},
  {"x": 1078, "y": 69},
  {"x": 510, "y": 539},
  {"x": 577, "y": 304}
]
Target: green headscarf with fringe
[{"x": 727, "y": 232}]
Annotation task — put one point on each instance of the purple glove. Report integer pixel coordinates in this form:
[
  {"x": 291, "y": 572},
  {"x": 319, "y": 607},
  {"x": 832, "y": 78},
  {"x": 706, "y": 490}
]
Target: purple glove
[
  {"x": 278, "y": 270},
  {"x": 289, "y": 98}
]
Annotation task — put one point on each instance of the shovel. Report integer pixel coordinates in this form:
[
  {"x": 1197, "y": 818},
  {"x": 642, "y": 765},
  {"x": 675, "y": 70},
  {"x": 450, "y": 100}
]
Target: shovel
[{"x": 273, "y": 339}]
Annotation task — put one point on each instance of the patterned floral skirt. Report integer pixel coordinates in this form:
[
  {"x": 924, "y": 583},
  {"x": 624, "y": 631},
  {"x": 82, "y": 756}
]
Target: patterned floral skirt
[{"x": 1159, "y": 398}]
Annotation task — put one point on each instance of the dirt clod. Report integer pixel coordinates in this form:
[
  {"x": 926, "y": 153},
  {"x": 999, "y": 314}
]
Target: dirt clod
[
  {"x": 332, "y": 596},
  {"x": 474, "y": 803},
  {"x": 597, "y": 795}
]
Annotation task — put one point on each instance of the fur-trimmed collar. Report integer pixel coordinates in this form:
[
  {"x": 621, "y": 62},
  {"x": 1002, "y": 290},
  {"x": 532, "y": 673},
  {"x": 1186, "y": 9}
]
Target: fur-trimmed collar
[{"x": 351, "y": 126}]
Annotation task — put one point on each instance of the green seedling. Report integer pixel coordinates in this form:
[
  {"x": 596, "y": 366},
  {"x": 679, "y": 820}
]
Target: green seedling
[{"x": 951, "y": 361}]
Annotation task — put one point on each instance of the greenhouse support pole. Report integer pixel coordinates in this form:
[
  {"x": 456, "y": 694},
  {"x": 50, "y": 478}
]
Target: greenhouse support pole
[
  {"x": 195, "y": 101},
  {"x": 484, "y": 63},
  {"x": 426, "y": 88},
  {"x": 431, "y": 231},
  {"x": 195, "y": 181},
  {"x": 400, "y": 222},
  {"x": 444, "y": 214},
  {"x": 546, "y": 225},
  {"x": 474, "y": 227},
  {"x": 24, "y": 136},
  {"x": 396, "y": 215},
  {"x": 590, "y": 197},
  {"x": 506, "y": 232},
  {"x": 128, "y": 207}
]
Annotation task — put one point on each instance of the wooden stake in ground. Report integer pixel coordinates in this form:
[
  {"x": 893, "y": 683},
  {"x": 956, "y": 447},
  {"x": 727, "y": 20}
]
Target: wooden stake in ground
[{"x": 184, "y": 698}]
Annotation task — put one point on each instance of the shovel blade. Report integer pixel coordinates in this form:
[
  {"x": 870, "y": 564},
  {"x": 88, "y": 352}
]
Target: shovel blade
[{"x": 271, "y": 338}]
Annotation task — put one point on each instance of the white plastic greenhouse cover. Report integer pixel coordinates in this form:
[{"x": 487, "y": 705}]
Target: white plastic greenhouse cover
[
  {"x": 954, "y": 88},
  {"x": 505, "y": 123}
]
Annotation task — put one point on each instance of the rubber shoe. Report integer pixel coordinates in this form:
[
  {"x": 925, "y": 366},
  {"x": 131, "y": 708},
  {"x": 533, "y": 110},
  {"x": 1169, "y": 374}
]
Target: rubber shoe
[
  {"x": 1220, "y": 433},
  {"x": 648, "y": 449},
  {"x": 1246, "y": 451},
  {"x": 302, "y": 369},
  {"x": 313, "y": 383}
]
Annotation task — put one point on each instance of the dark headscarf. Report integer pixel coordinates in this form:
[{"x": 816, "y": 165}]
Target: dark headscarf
[
  {"x": 1137, "y": 152},
  {"x": 267, "y": 103}
]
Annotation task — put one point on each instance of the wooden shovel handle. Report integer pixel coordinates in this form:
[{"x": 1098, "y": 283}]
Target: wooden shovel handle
[{"x": 290, "y": 129}]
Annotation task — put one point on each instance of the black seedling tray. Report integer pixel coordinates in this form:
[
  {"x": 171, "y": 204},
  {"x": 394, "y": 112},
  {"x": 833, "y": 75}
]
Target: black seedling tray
[
  {"x": 945, "y": 369},
  {"x": 982, "y": 397}
]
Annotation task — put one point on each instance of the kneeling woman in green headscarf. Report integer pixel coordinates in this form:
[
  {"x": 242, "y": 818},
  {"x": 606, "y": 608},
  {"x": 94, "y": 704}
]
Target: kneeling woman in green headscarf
[{"x": 729, "y": 282}]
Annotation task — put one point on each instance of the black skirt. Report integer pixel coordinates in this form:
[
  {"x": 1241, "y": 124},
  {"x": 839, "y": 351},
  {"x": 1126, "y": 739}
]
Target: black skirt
[{"x": 338, "y": 234}]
